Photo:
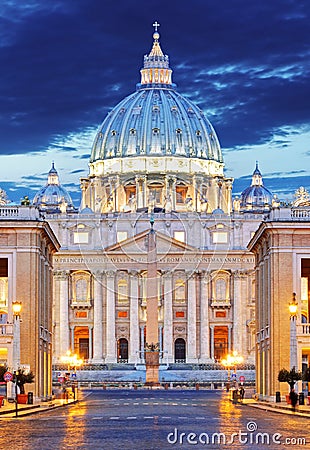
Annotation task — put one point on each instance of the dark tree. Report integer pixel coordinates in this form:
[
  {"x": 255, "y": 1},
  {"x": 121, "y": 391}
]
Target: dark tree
[
  {"x": 24, "y": 378},
  {"x": 289, "y": 376}
]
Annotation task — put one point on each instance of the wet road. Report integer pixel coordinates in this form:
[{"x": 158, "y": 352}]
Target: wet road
[{"x": 151, "y": 420}]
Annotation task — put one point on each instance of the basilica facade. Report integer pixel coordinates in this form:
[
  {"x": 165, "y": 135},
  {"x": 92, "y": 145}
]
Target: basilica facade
[{"x": 157, "y": 158}]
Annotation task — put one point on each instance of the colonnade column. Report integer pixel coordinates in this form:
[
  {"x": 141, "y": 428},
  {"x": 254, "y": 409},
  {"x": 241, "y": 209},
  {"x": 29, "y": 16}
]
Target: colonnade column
[
  {"x": 98, "y": 318},
  {"x": 168, "y": 318},
  {"x": 204, "y": 319},
  {"x": 64, "y": 338},
  {"x": 191, "y": 356},
  {"x": 134, "y": 317},
  {"x": 110, "y": 334}
]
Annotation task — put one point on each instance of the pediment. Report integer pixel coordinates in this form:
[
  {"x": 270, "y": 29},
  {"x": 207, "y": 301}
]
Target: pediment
[{"x": 138, "y": 244}]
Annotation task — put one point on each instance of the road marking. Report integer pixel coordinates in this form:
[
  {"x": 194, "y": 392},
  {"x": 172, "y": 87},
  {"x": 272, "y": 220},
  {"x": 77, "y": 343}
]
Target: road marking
[
  {"x": 148, "y": 417},
  {"x": 126, "y": 404},
  {"x": 145, "y": 403},
  {"x": 131, "y": 417},
  {"x": 114, "y": 418},
  {"x": 136, "y": 403},
  {"x": 166, "y": 417},
  {"x": 182, "y": 417},
  {"x": 97, "y": 418}
]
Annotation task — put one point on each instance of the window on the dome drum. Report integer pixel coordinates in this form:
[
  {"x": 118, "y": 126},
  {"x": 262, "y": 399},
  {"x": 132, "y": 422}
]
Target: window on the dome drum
[
  {"x": 180, "y": 194},
  {"x": 156, "y": 194}
]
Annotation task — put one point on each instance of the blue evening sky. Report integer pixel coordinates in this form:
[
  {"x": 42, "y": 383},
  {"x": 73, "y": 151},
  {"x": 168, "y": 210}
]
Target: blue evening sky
[{"x": 66, "y": 63}]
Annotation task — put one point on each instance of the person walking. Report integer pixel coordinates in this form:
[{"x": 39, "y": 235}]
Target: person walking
[{"x": 293, "y": 398}]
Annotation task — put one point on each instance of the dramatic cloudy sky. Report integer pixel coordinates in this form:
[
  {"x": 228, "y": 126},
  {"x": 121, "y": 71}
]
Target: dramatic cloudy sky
[{"x": 66, "y": 63}]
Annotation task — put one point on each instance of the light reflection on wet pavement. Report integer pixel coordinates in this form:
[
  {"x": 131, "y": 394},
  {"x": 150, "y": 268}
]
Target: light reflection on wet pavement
[{"x": 151, "y": 420}]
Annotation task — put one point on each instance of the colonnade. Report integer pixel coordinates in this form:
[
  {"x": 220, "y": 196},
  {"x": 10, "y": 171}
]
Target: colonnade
[{"x": 196, "y": 327}]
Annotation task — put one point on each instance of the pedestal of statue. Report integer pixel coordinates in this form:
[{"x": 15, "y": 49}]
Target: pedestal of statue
[{"x": 152, "y": 368}]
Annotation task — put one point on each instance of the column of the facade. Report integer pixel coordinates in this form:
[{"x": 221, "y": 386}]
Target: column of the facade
[
  {"x": 110, "y": 315},
  {"x": 212, "y": 341},
  {"x": 160, "y": 337},
  {"x": 168, "y": 318},
  {"x": 98, "y": 318},
  {"x": 238, "y": 326},
  {"x": 134, "y": 317},
  {"x": 141, "y": 191},
  {"x": 191, "y": 356},
  {"x": 90, "y": 342},
  {"x": 72, "y": 348},
  {"x": 229, "y": 350},
  {"x": 64, "y": 337},
  {"x": 142, "y": 343},
  {"x": 228, "y": 196},
  {"x": 204, "y": 319}
]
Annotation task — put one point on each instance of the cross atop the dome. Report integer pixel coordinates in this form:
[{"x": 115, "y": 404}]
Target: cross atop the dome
[{"x": 156, "y": 25}]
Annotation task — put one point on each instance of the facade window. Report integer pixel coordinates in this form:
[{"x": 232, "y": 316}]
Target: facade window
[
  {"x": 122, "y": 291},
  {"x": 179, "y": 292},
  {"x": 80, "y": 237},
  {"x": 121, "y": 236},
  {"x": 4, "y": 292},
  {"x": 155, "y": 194},
  {"x": 81, "y": 287},
  {"x": 179, "y": 236},
  {"x": 220, "y": 288},
  {"x": 220, "y": 237},
  {"x": 180, "y": 194}
]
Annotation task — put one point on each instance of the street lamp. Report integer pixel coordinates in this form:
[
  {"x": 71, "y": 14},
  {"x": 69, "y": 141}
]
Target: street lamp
[
  {"x": 293, "y": 338},
  {"x": 232, "y": 361},
  {"x": 73, "y": 362},
  {"x": 17, "y": 307}
]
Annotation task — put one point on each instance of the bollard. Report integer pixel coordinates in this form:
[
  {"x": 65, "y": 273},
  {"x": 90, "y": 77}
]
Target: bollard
[{"x": 197, "y": 387}]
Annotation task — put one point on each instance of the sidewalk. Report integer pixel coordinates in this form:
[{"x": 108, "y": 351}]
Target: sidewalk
[
  {"x": 281, "y": 407},
  {"x": 8, "y": 411}
]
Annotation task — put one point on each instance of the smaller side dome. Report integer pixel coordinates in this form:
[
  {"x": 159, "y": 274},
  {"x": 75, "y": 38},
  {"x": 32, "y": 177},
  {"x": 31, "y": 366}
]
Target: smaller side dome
[
  {"x": 53, "y": 198},
  {"x": 3, "y": 198},
  {"x": 256, "y": 198}
]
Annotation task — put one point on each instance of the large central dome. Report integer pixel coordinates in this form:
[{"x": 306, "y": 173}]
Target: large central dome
[
  {"x": 156, "y": 120},
  {"x": 156, "y": 151}
]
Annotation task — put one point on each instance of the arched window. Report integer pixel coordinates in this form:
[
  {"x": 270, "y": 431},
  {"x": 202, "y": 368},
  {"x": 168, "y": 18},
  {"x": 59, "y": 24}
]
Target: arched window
[
  {"x": 81, "y": 287},
  {"x": 220, "y": 287},
  {"x": 179, "y": 350},
  {"x": 122, "y": 350}
]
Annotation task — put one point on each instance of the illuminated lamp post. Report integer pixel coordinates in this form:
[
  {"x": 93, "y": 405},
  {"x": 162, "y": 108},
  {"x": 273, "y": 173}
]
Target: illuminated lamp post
[
  {"x": 293, "y": 334},
  {"x": 17, "y": 307},
  {"x": 72, "y": 361},
  {"x": 232, "y": 361}
]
